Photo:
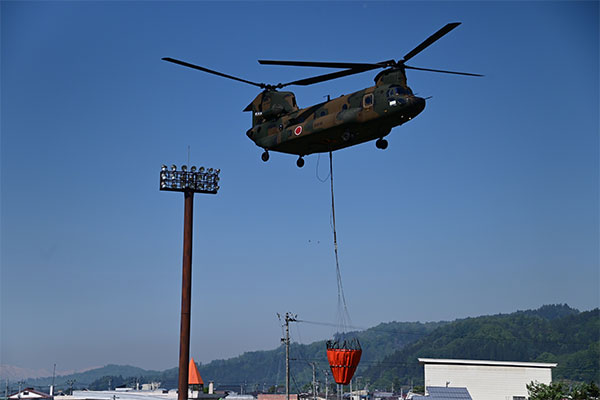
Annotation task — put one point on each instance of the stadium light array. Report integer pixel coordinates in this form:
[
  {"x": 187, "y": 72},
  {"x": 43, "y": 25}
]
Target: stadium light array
[{"x": 194, "y": 180}]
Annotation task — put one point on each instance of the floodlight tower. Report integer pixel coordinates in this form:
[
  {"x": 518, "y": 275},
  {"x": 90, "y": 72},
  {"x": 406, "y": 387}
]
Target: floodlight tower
[{"x": 188, "y": 182}]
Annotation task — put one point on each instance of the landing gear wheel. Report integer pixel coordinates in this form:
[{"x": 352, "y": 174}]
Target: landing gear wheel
[
  {"x": 265, "y": 156},
  {"x": 300, "y": 162},
  {"x": 381, "y": 144}
]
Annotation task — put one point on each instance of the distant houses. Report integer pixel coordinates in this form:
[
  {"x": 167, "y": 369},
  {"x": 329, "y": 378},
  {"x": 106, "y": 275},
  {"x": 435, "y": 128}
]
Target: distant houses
[
  {"x": 445, "y": 379},
  {"x": 262, "y": 396}
]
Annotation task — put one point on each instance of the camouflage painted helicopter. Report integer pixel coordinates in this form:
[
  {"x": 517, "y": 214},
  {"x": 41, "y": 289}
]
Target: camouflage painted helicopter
[{"x": 279, "y": 125}]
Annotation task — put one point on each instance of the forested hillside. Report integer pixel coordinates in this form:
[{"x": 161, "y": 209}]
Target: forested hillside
[
  {"x": 268, "y": 367},
  {"x": 550, "y": 334},
  {"x": 84, "y": 379}
]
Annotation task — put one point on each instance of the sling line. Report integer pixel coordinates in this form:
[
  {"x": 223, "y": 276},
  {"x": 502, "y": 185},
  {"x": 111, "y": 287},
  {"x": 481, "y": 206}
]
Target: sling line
[{"x": 343, "y": 314}]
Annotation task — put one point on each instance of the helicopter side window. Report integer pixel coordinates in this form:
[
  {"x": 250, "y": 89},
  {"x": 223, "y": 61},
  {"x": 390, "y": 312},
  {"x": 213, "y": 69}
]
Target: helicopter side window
[
  {"x": 321, "y": 113},
  {"x": 368, "y": 100}
]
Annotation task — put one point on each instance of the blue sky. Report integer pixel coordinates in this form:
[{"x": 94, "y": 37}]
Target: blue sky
[{"x": 485, "y": 203}]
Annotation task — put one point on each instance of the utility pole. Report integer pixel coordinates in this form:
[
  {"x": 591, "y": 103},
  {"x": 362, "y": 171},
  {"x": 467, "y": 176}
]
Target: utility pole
[
  {"x": 314, "y": 380},
  {"x": 286, "y": 340},
  {"x": 53, "y": 376},
  {"x": 326, "y": 385},
  {"x": 70, "y": 382},
  {"x": 351, "y": 394}
]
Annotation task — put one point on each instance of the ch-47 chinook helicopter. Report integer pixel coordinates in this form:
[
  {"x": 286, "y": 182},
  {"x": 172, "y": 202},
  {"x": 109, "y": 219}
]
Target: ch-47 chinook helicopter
[{"x": 279, "y": 125}]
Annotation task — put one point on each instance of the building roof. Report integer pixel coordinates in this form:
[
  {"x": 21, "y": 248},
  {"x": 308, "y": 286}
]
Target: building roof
[
  {"x": 272, "y": 396},
  {"x": 29, "y": 393},
  {"x": 194, "y": 377},
  {"x": 113, "y": 394},
  {"x": 487, "y": 363},
  {"x": 445, "y": 393}
]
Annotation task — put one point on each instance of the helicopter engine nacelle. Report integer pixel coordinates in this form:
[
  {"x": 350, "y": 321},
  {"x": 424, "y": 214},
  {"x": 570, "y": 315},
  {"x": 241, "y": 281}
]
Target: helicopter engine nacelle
[
  {"x": 394, "y": 76},
  {"x": 271, "y": 104},
  {"x": 273, "y": 112}
]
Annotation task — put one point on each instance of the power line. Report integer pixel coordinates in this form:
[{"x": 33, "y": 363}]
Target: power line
[{"x": 332, "y": 324}]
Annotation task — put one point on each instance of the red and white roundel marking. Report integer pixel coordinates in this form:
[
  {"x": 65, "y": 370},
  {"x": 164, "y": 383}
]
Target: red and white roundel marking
[{"x": 298, "y": 130}]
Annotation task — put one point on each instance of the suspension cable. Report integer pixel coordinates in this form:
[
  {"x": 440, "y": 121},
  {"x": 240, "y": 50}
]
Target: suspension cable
[{"x": 343, "y": 315}]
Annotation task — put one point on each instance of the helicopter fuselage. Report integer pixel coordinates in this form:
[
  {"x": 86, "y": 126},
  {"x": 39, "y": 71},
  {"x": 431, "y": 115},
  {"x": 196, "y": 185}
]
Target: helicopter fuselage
[
  {"x": 369, "y": 114},
  {"x": 345, "y": 121}
]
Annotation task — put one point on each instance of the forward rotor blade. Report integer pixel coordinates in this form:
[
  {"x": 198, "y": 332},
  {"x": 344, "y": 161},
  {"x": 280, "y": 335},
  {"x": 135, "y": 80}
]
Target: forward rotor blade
[
  {"x": 321, "y": 64},
  {"x": 430, "y": 40},
  {"x": 210, "y": 71},
  {"x": 327, "y": 77},
  {"x": 442, "y": 71}
]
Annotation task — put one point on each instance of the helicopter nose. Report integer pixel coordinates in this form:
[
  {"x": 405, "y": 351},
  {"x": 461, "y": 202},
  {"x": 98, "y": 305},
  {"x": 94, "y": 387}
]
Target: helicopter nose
[
  {"x": 416, "y": 106},
  {"x": 419, "y": 104}
]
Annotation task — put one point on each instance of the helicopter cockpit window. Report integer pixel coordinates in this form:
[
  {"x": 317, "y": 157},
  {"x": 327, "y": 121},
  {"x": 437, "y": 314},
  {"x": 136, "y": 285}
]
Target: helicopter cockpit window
[{"x": 397, "y": 91}]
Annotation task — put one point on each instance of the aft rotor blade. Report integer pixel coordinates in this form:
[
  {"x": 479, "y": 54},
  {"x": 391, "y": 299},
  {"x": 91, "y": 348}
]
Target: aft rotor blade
[
  {"x": 210, "y": 71},
  {"x": 327, "y": 77},
  {"x": 430, "y": 40},
  {"x": 442, "y": 71},
  {"x": 322, "y": 64}
]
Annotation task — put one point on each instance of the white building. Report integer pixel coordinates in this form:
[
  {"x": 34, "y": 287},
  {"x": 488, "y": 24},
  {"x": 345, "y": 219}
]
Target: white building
[
  {"x": 133, "y": 394},
  {"x": 487, "y": 380},
  {"x": 29, "y": 393},
  {"x": 123, "y": 394}
]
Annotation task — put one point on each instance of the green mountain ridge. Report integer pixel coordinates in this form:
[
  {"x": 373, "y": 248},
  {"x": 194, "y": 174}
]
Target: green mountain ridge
[
  {"x": 268, "y": 367},
  {"x": 551, "y": 333},
  {"x": 83, "y": 379},
  {"x": 560, "y": 336}
]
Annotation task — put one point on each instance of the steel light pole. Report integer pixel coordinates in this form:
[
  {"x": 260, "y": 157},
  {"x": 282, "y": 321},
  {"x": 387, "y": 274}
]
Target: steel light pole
[{"x": 189, "y": 182}]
